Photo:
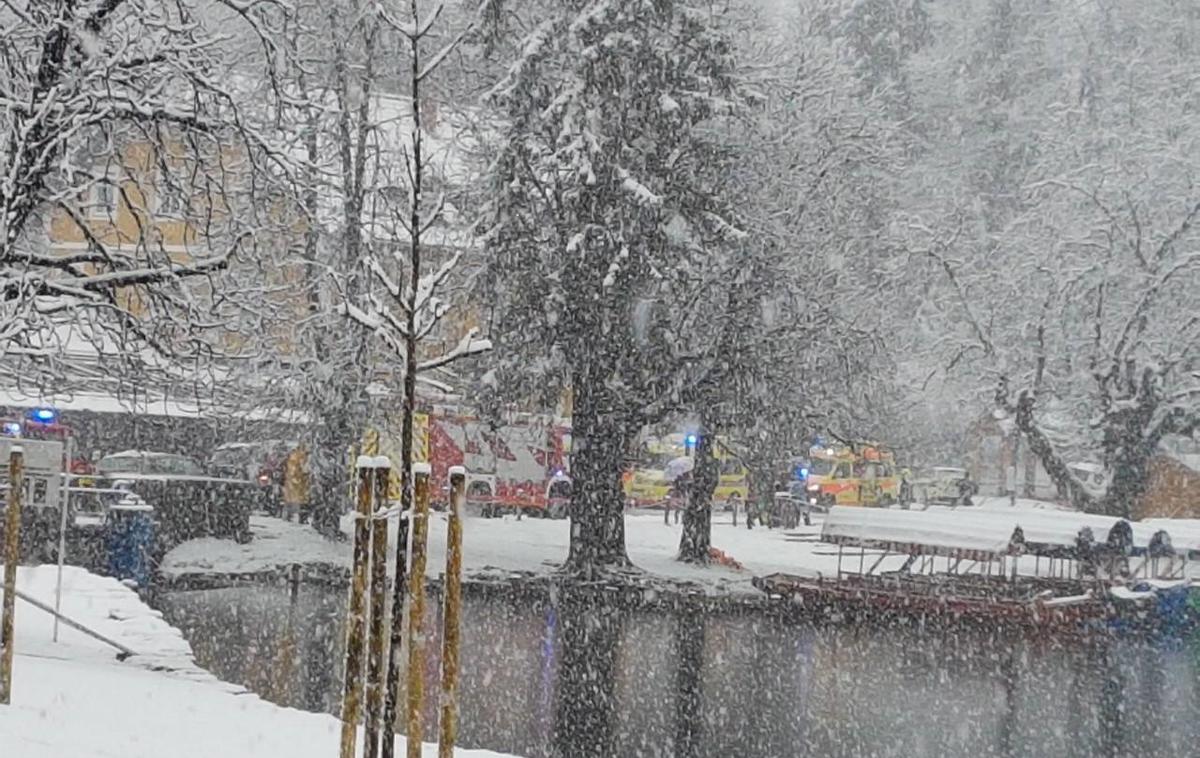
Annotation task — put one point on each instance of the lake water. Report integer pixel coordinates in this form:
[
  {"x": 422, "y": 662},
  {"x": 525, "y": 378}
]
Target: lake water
[{"x": 564, "y": 678}]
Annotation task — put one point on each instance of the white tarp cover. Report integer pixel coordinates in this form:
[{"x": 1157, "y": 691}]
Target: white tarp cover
[
  {"x": 1054, "y": 528},
  {"x": 1185, "y": 532},
  {"x": 944, "y": 532},
  {"x": 949, "y": 530}
]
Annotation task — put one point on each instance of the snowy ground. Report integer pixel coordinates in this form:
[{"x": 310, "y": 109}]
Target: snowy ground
[
  {"x": 73, "y": 698},
  {"x": 507, "y": 545}
]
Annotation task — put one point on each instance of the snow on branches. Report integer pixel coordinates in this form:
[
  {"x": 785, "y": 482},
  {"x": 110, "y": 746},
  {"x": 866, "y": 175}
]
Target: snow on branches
[
  {"x": 124, "y": 169},
  {"x": 605, "y": 211}
]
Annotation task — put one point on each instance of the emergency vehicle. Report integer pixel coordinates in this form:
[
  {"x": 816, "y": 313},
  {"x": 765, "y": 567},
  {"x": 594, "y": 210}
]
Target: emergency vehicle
[
  {"x": 863, "y": 475},
  {"x": 646, "y": 482},
  {"x": 522, "y": 464}
]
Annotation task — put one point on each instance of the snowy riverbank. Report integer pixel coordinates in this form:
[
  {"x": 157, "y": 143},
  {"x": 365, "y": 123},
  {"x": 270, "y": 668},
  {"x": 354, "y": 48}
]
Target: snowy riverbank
[
  {"x": 496, "y": 547},
  {"x": 504, "y": 545},
  {"x": 73, "y": 698}
]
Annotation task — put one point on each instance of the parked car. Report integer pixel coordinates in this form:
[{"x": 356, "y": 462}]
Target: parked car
[
  {"x": 260, "y": 462},
  {"x": 941, "y": 486},
  {"x": 144, "y": 462},
  {"x": 187, "y": 501}
]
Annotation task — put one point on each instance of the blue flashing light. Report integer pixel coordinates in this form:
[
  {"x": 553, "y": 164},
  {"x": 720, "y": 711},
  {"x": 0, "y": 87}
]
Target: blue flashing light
[
  {"x": 44, "y": 415},
  {"x": 12, "y": 428},
  {"x": 691, "y": 440},
  {"x": 803, "y": 473}
]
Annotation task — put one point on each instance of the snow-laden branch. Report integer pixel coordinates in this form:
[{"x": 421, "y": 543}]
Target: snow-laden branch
[{"x": 470, "y": 344}]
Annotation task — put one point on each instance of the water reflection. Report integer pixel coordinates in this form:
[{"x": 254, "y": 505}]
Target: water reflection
[{"x": 571, "y": 678}]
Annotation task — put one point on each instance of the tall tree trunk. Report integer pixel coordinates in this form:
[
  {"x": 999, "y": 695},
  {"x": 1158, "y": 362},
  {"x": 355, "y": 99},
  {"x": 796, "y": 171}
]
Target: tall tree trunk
[
  {"x": 331, "y": 470},
  {"x": 1130, "y": 475},
  {"x": 1040, "y": 446},
  {"x": 696, "y": 539},
  {"x": 600, "y": 435},
  {"x": 392, "y": 678},
  {"x": 762, "y": 487},
  {"x": 327, "y": 465}
]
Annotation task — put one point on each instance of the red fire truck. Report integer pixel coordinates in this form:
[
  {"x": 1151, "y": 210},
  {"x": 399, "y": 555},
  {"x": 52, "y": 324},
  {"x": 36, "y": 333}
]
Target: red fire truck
[{"x": 520, "y": 465}]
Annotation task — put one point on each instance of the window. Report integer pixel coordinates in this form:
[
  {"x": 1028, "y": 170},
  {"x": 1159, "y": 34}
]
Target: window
[
  {"x": 842, "y": 472},
  {"x": 168, "y": 195},
  {"x": 820, "y": 468},
  {"x": 102, "y": 199}
]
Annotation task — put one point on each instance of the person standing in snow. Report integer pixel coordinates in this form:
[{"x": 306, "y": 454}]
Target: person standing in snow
[
  {"x": 683, "y": 493},
  {"x": 966, "y": 488},
  {"x": 295, "y": 485},
  {"x": 906, "y": 490}
]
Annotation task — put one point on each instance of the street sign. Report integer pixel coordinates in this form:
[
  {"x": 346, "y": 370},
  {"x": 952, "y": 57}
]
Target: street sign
[{"x": 43, "y": 471}]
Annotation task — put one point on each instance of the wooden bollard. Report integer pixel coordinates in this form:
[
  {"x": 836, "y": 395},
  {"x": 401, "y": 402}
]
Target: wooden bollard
[
  {"x": 356, "y": 618},
  {"x": 12, "y": 555},
  {"x": 451, "y": 614},
  {"x": 416, "y": 608},
  {"x": 378, "y": 594},
  {"x": 391, "y": 694}
]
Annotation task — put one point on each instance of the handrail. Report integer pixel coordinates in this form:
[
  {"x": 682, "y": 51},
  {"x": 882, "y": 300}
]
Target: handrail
[{"x": 124, "y": 652}]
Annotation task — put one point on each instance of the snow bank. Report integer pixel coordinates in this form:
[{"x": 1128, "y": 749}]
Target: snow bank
[
  {"x": 503, "y": 546},
  {"x": 74, "y": 699},
  {"x": 276, "y": 543}
]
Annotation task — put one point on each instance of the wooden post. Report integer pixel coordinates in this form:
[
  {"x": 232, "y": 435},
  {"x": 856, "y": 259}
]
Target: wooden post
[
  {"x": 416, "y": 608},
  {"x": 378, "y": 611},
  {"x": 12, "y": 555},
  {"x": 391, "y": 694},
  {"x": 356, "y": 619},
  {"x": 452, "y": 610}
]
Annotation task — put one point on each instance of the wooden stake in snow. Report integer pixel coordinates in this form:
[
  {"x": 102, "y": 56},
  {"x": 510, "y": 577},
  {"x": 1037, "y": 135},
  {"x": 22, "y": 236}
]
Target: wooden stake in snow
[
  {"x": 379, "y": 545},
  {"x": 356, "y": 621},
  {"x": 416, "y": 608},
  {"x": 12, "y": 553},
  {"x": 451, "y": 613}
]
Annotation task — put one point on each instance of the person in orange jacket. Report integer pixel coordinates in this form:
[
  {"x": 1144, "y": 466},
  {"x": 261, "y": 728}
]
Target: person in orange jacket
[{"x": 296, "y": 485}]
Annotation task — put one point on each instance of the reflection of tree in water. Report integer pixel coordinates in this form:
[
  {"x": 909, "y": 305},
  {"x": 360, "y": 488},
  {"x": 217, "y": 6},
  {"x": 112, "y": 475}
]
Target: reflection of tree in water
[
  {"x": 575, "y": 676},
  {"x": 322, "y": 635},
  {"x": 689, "y": 715},
  {"x": 589, "y": 637}
]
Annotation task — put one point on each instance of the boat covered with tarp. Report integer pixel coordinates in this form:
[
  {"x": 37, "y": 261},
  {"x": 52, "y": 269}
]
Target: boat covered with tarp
[{"x": 1040, "y": 568}]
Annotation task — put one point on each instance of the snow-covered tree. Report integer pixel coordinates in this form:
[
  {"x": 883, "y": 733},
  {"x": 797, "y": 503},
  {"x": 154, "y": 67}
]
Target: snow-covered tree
[
  {"x": 606, "y": 201},
  {"x": 126, "y": 177},
  {"x": 793, "y": 343},
  {"x": 1060, "y": 278}
]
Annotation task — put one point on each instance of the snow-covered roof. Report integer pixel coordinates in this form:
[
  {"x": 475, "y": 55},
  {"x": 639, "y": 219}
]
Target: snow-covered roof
[
  {"x": 144, "y": 404},
  {"x": 1185, "y": 450},
  {"x": 100, "y": 402},
  {"x": 143, "y": 454}
]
